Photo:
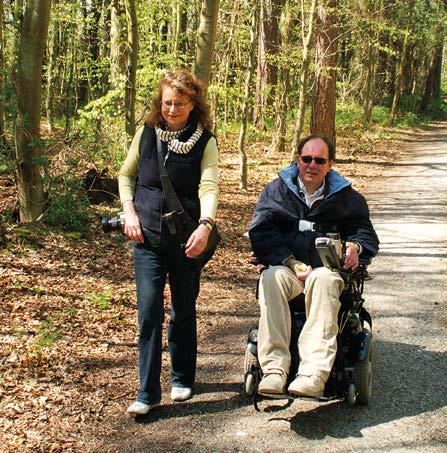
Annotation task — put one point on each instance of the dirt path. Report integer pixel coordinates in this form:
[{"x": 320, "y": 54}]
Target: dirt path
[
  {"x": 407, "y": 301},
  {"x": 70, "y": 396}
]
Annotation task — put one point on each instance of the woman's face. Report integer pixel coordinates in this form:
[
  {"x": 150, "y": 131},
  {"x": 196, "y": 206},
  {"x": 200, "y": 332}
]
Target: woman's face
[{"x": 175, "y": 108}]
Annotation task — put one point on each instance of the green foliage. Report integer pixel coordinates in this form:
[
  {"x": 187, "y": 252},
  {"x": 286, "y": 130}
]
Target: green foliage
[
  {"x": 348, "y": 116},
  {"x": 67, "y": 206},
  {"x": 7, "y": 161},
  {"x": 381, "y": 115},
  {"x": 47, "y": 335},
  {"x": 30, "y": 235},
  {"x": 102, "y": 300},
  {"x": 8, "y": 97},
  {"x": 437, "y": 110}
]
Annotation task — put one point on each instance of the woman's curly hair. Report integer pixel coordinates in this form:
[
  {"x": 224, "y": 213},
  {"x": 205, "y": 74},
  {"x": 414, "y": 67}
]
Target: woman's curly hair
[{"x": 185, "y": 83}]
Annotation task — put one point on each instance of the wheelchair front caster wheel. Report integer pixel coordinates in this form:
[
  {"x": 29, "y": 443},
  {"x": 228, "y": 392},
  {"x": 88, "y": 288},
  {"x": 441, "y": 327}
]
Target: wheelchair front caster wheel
[
  {"x": 352, "y": 395},
  {"x": 249, "y": 384}
]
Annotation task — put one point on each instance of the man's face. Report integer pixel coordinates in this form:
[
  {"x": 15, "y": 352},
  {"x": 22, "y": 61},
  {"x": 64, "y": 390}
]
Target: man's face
[{"x": 312, "y": 174}]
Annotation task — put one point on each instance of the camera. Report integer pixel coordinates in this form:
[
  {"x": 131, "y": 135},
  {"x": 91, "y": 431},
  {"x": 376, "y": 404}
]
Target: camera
[{"x": 112, "y": 223}]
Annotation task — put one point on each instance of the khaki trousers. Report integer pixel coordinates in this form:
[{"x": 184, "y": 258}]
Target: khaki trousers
[{"x": 317, "y": 343}]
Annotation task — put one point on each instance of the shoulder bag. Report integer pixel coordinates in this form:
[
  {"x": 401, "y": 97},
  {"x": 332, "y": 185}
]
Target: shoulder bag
[{"x": 179, "y": 222}]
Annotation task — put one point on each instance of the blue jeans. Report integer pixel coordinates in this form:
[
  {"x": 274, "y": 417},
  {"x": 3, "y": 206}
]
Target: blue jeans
[{"x": 161, "y": 256}]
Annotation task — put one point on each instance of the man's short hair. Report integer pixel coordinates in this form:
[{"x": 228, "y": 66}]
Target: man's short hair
[{"x": 329, "y": 144}]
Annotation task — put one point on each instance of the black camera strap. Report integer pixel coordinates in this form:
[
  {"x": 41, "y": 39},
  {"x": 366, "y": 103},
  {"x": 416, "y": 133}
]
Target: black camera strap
[{"x": 172, "y": 200}]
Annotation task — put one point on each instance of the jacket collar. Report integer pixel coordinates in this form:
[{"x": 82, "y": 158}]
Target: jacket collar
[{"x": 334, "y": 181}]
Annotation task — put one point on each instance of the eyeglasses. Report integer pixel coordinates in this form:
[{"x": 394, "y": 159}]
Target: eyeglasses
[
  {"x": 176, "y": 105},
  {"x": 309, "y": 159}
]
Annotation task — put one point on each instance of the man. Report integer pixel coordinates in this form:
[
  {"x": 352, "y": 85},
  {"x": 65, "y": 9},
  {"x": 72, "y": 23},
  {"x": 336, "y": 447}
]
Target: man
[{"x": 307, "y": 200}]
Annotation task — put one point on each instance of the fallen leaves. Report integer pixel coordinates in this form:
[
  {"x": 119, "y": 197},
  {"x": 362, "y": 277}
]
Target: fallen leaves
[{"x": 68, "y": 330}]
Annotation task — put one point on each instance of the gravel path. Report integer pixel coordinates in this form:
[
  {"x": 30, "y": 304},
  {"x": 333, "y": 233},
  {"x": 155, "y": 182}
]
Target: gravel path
[{"x": 407, "y": 301}]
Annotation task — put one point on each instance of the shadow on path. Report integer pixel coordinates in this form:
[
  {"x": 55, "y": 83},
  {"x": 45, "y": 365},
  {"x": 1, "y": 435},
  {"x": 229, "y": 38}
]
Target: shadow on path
[{"x": 407, "y": 381}]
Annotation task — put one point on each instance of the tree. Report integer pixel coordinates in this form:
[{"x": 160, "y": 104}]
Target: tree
[
  {"x": 29, "y": 90},
  {"x": 283, "y": 88},
  {"x": 268, "y": 51},
  {"x": 118, "y": 40},
  {"x": 247, "y": 97},
  {"x": 432, "y": 85},
  {"x": 304, "y": 77},
  {"x": 179, "y": 39},
  {"x": 402, "y": 63},
  {"x": 206, "y": 37},
  {"x": 323, "y": 105},
  {"x": 131, "y": 67},
  {"x": 372, "y": 7},
  {"x": 2, "y": 68}
]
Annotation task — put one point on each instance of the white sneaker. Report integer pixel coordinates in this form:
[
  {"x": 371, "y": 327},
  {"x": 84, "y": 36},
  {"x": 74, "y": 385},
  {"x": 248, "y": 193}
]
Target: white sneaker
[
  {"x": 138, "y": 408},
  {"x": 180, "y": 393}
]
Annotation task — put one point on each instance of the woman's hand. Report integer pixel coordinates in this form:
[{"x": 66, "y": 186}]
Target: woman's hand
[
  {"x": 132, "y": 228},
  {"x": 196, "y": 243}
]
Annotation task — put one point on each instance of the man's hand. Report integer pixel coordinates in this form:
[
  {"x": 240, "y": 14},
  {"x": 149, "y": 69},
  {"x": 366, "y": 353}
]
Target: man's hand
[
  {"x": 301, "y": 270},
  {"x": 352, "y": 256}
]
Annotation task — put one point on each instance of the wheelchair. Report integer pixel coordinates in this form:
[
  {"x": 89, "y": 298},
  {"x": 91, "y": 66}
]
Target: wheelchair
[{"x": 351, "y": 375}]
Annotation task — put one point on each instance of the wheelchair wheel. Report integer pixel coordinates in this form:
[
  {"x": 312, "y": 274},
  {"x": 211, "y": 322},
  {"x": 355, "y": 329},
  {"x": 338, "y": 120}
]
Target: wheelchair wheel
[
  {"x": 363, "y": 378},
  {"x": 252, "y": 371},
  {"x": 249, "y": 384}
]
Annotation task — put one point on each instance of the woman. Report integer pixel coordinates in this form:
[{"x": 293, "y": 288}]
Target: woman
[{"x": 180, "y": 118}]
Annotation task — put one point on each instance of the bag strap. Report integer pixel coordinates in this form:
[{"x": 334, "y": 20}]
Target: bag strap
[{"x": 171, "y": 196}]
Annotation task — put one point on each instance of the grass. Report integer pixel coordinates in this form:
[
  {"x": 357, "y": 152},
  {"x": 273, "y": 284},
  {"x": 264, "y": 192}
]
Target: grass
[
  {"x": 47, "y": 335},
  {"x": 102, "y": 300}
]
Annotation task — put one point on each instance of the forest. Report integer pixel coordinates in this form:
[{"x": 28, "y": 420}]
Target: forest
[
  {"x": 76, "y": 78},
  {"x": 76, "y": 81}
]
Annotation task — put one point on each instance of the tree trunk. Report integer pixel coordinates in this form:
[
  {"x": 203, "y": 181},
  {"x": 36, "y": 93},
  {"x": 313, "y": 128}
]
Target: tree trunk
[
  {"x": 2, "y": 69},
  {"x": 29, "y": 91},
  {"x": 324, "y": 103},
  {"x": 51, "y": 72},
  {"x": 432, "y": 87},
  {"x": 371, "y": 65},
  {"x": 18, "y": 19},
  {"x": 206, "y": 37},
  {"x": 373, "y": 8},
  {"x": 438, "y": 71},
  {"x": 403, "y": 61},
  {"x": 282, "y": 91},
  {"x": 118, "y": 42},
  {"x": 131, "y": 68},
  {"x": 304, "y": 76},
  {"x": 247, "y": 98},
  {"x": 228, "y": 61},
  {"x": 180, "y": 13},
  {"x": 268, "y": 49}
]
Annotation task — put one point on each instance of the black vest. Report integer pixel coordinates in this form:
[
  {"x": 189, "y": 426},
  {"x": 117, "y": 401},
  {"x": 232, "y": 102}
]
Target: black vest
[{"x": 184, "y": 172}]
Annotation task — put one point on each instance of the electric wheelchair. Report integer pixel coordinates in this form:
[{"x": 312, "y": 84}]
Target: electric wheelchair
[{"x": 350, "y": 377}]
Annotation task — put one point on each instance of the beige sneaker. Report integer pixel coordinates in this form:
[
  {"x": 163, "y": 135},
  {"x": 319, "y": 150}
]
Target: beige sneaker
[
  {"x": 307, "y": 386},
  {"x": 180, "y": 393},
  {"x": 273, "y": 383},
  {"x": 138, "y": 408}
]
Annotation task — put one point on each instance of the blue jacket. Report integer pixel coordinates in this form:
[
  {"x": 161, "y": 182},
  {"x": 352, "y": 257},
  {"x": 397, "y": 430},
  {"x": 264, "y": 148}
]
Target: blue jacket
[{"x": 274, "y": 232}]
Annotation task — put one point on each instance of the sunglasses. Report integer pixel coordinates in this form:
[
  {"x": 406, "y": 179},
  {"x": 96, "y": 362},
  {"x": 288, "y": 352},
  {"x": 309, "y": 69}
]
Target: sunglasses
[{"x": 318, "y": 160}]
